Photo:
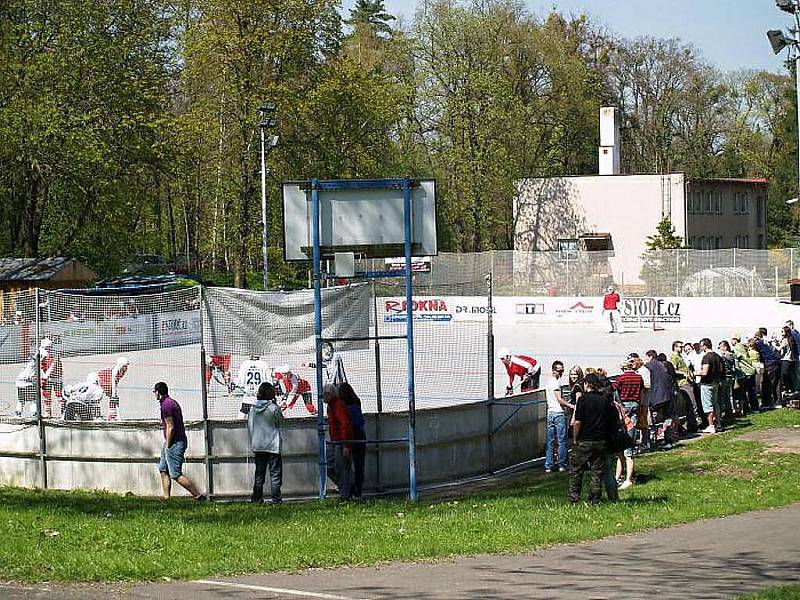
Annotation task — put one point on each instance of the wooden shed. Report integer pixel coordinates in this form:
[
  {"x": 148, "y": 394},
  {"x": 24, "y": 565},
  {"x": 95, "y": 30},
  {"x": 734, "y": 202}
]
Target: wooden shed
[{"x": 20, "y": 274}]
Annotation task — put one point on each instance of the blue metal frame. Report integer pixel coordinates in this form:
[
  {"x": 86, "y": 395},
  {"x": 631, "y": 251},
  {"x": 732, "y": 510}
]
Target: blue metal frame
[
  {"x": 404, "y": 184},
  {"x": 318, "y": 338}
]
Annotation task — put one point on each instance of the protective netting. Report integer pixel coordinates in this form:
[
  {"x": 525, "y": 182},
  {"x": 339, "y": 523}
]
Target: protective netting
[
  {"x": 679, "y": 272},
  {"x": 256, "y": 337},
  {"x": 450, "y": 346},
  {"x": 99, "y": 356}
]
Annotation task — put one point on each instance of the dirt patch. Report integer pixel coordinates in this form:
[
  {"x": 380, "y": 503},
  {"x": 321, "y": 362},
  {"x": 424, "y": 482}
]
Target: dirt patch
[
  {"x": 737, "y": 472},
  {"x": 785, "y": 440}
]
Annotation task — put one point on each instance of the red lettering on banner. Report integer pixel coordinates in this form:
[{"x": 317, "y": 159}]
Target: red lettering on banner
[{"x": 435, "y": 305}]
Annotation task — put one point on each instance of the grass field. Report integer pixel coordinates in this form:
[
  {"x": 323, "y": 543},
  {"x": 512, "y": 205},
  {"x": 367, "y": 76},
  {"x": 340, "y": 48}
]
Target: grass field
[
  {"x": 787, "y": 592},
  {"x": 99, "y": 537}
]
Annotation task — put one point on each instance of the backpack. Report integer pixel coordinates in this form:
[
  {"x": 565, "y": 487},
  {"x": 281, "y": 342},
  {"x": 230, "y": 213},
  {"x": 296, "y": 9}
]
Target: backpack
[{"x": 618, "y": 438}]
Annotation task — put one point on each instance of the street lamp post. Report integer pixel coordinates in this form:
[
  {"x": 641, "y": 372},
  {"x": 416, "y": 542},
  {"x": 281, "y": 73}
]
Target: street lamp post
[
  {"x": 779, "y": 41},
  {"x": 267, "y": 122}
]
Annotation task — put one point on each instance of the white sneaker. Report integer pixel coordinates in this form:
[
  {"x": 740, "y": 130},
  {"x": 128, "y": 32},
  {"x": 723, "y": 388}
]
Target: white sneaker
[
  {"x": 625, "y": 485},
  {"x": 709, "y": 429}
]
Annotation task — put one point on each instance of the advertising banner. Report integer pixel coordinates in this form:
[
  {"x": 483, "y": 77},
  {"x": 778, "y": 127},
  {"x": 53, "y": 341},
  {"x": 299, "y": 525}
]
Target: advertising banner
[
  {"x": 438, "y": 309},
  {"x": 175, "y": 329}
]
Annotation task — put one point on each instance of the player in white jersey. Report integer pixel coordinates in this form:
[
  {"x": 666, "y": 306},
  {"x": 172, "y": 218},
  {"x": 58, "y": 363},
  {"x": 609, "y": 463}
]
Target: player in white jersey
[
  {"x": 82, "y": 400},
  {"x": 252, "y": 373},
  {"x": 332, "y": 363},
  {"x": 26, "y": 385}
]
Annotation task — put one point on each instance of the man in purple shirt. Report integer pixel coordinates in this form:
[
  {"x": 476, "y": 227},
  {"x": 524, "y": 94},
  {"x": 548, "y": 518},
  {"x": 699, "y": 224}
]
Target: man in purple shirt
[{"x": 171, "y": 464}]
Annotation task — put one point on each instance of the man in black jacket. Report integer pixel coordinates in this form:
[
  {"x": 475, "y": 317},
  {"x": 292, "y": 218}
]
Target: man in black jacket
[{"x": 594, "y": 416}]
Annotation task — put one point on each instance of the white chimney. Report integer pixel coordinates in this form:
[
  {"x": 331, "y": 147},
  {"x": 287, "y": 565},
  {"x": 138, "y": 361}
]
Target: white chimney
[{"x": 608, "y": 153}]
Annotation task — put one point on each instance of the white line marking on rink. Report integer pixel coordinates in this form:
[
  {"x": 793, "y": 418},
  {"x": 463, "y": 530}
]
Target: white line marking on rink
[{"x": 259, "y": 588}]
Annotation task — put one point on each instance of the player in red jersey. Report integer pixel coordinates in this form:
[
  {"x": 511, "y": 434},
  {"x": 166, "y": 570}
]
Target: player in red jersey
[
  {"x": 109, "y": 381},
  {"x": 293, "y": 387},
  {"x": 610, "y": 311},
  {"x": 524, "y": 367}
]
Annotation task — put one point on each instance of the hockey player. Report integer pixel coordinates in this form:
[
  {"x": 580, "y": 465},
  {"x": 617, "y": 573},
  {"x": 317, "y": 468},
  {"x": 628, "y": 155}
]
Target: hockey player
[
  {"x": 252, "y": 373},
  {"x": 333, "y": 365},
  {"x": 82, "y": 400},
  {"x": 524, "y": 367},
  {"x": 26, "y": 386},
  {"x": 109, "y": 379},
  {"x": 610, "y": 310},
  {"x": 292, "y": 386},
  {"x": 218, "y": 368},
  {"x": 52, "y": 377}
]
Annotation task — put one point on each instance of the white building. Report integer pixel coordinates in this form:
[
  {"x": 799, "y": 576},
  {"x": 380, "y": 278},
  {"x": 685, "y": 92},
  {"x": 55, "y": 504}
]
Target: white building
[{"x": 618, "y": 212}]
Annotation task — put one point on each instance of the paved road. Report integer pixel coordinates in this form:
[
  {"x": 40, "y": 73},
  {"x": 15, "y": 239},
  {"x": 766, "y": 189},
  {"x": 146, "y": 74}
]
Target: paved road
[{"x": 719, "y": 558}]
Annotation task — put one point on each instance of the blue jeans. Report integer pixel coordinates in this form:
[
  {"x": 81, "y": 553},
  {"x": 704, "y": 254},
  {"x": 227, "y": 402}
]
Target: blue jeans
[
  {"x": 172, "y": 459},
  {"x": 274, "y": 462},
  {"x": 556, "y": 430}
]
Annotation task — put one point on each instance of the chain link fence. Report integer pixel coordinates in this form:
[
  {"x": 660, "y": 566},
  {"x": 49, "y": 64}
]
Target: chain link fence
[{"x": 681, "y": 272}]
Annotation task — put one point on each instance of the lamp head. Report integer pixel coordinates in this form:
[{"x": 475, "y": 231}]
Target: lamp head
[
  {"x": 789, "y": 6},
  {"x": 777, "y": 40}
]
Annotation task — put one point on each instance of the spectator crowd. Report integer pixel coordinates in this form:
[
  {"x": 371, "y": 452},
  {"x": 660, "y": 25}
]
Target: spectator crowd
[{"x": 700, "y": 388}]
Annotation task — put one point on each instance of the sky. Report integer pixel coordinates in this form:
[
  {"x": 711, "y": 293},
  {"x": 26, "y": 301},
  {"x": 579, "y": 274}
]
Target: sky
[{"x": 731, "y": 34}]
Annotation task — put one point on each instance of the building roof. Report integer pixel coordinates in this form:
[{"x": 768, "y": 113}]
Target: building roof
[
  {"x": 750, "y": 180},
  {"x": 44, "y": 269}
]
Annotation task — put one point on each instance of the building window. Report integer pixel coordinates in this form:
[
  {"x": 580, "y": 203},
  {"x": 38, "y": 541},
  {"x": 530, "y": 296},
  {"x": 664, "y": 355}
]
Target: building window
[
  {"x": 568, "y": 249},
  {"x": 718, "y": 202},
  {"x": 690, "y": 202},
  {"x": 718, "y": 242},
  {"x": 707, "y": 202},
  {"x": 761, "y": 241},
  {"x": 760, "y": 212}
]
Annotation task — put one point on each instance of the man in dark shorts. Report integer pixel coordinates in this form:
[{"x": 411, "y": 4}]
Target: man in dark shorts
[{"x": 172, "y": 452}]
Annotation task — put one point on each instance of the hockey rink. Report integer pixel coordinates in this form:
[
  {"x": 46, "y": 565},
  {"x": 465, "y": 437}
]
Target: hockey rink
[{"x": 450, "y": 366}]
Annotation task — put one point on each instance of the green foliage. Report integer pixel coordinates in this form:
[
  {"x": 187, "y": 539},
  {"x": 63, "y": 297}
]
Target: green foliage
[
  {"x": 132, "y": 127},
  {"x": 80, "y": 536},
  {"x": 664, "y": 238},
  {"x": 657, "y": 255}
]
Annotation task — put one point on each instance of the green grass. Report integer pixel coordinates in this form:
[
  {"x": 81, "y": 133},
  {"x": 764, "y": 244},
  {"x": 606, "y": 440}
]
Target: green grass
[
  {"x": 82, "y": 536},
  {"x": 788, "y": 592}
]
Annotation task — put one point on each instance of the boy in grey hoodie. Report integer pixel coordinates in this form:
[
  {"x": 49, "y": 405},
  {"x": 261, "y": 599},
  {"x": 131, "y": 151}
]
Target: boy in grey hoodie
[{"x": 264, "y": 427}]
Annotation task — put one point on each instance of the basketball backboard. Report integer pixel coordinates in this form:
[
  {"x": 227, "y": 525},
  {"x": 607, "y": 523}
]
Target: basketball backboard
[{"x": 365, "y": 221}]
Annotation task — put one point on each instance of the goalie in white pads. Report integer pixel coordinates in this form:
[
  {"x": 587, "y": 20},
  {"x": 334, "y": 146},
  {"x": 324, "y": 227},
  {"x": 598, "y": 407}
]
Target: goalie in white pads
[{"x": 82, "y": 400}]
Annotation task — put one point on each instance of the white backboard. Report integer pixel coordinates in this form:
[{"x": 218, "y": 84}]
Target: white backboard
[{"x": 367, "y": 222}]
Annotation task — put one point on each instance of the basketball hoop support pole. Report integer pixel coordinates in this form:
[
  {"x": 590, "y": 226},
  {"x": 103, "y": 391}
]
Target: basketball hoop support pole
[
  {"x": 318, "y": 336},
  {"x": 412, "y": 446}
]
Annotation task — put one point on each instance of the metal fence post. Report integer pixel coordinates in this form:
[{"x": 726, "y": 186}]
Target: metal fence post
[
  {"x": 490, "y": 370},
  {"x": 791, "y": 263},
  {"x": 776, "y": 281},
  {"x": 378, "y": 392},
  {"x": 39, "y": 416},
  {"x": 207, "y": 430},
  {"x": 318, "y": 337},
  {"x": 412, "y": 424}
]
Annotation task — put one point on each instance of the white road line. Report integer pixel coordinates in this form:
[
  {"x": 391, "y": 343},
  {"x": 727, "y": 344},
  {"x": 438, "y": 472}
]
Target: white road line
[{"x": 260, "y": 588}]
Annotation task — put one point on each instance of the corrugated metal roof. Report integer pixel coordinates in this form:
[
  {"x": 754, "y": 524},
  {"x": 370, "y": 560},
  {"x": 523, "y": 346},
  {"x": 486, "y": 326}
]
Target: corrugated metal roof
[{"x": 32, "y": 269}]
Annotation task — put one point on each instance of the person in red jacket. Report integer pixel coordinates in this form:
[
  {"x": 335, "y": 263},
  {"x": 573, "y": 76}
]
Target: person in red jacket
[
  {"x": 524, "y": 367},
  {"x": 341, "y": 431},
  {"x": 610, "y": 311}
]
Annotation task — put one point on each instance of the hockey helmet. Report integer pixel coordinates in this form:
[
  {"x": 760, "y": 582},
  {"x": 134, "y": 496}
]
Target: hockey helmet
[
  {"x": 283, "y": 369},
  {"x": 92, "y": 378},
  {"x": 503, "y": 353},
  {"x": 123, "y": 361},
  {"x": 45, "y": 344}
]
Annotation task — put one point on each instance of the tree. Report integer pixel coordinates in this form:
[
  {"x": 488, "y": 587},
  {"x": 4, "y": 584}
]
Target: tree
[{"x": 658, "y": 259}]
